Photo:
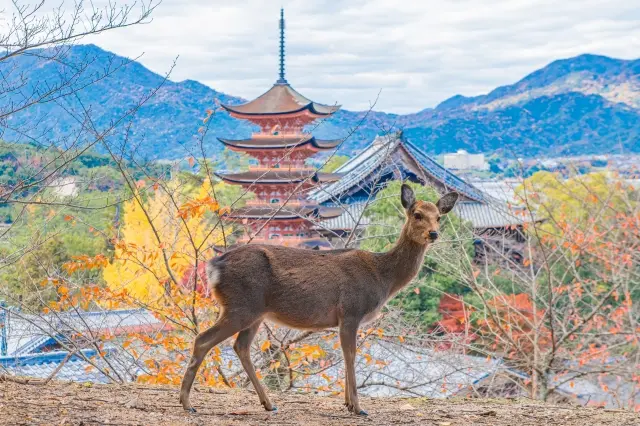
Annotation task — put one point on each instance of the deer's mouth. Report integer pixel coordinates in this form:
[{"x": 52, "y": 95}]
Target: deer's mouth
[{"x": 428, "y": 237}]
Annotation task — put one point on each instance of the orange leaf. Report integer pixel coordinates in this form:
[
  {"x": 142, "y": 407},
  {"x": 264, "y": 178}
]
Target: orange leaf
[
  {"x": 266, "y": 345},
  {"x": 416, "y": 290}
]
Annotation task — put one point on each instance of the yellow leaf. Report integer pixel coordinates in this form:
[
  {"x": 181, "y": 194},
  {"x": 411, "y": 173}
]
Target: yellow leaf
[{"x": 266, "y": 345}]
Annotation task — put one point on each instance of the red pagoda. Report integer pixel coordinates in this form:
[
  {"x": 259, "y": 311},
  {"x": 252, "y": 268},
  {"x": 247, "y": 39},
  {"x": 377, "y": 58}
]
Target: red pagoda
[{"x": 281, "y": 212}]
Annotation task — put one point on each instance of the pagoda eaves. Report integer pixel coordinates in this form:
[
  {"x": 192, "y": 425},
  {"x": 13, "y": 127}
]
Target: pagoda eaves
[
  {"x": 288, "y": 212},
  {"x": 280, "y": 100},
  {"x": 278, "y": 176},
  {"x": 280, "y": 142}
]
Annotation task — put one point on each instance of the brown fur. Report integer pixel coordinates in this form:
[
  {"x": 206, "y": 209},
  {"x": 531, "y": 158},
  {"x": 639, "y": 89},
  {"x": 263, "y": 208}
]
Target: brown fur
[{"x": 312, "y": 290}]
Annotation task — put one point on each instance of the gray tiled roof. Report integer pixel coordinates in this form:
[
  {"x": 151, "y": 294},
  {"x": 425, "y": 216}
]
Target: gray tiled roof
[
  {"x": 378, "y": 156},
  {"x": 351, "y": 218},
  {"x": 481, "y": 215},
  {"x": 27, "y": 333},
  {"x": 488, "y": 215},
  {"x": 355, "y": 170},
  {"x": 30, "y": 336},
  {"x": 42, "y": 365}
]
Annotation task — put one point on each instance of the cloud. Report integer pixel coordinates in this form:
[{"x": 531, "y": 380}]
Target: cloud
[{"x": 418, "y": 53}]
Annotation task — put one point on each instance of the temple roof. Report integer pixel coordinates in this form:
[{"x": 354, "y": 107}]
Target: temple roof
[
  {"x": 380, "y": 157},
  {"x": 481, "y": 216},
  {"x": 281, "y": 99},
  {"x": 280, "y": 142},
  {"x": 279, "y": 176}
]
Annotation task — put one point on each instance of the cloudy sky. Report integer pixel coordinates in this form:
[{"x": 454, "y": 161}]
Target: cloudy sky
[{"x": 415, "y": 53}]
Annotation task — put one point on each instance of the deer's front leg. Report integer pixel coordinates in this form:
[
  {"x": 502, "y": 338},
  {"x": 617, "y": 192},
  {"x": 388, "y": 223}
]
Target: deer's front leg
[{"x": 348, "y": 334}]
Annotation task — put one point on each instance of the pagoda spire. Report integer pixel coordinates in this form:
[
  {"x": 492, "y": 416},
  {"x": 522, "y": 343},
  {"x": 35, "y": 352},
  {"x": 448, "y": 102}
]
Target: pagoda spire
[{"x": 282, "y": 80}]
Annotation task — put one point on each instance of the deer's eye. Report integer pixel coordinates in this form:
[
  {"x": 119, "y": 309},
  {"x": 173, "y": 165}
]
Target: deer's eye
[
  {"x": 417, "y": 216},
  {"x": 438, "y": 219}
]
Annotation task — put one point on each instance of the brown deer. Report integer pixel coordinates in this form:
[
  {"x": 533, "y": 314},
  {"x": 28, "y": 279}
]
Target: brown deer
[{"x": 312, "y": 290}]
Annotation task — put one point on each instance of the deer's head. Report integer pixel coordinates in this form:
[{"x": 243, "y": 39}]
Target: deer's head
[{"x": 423, "y": 217}]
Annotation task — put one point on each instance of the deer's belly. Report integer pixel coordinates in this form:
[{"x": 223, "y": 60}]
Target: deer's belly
[
  {"x": 319, "y": 321},
  {"x": 372, "y": 316}
]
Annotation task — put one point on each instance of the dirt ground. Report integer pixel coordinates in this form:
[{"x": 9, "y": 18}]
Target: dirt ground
[{"x": 74, "y": 404}]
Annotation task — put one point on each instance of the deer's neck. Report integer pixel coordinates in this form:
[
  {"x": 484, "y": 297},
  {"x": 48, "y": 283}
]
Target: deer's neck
[{"x": 402, "y": 263}]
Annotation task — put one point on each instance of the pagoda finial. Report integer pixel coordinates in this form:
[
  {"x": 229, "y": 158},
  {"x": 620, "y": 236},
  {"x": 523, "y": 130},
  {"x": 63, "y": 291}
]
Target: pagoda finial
[{"x": 282, "y": 80}]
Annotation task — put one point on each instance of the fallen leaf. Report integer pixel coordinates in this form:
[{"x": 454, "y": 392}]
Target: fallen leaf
[{"x": 407, "y": 407}]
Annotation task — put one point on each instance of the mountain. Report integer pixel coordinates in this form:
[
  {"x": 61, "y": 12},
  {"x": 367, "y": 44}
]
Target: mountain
[{"x": 583, "y": 105}]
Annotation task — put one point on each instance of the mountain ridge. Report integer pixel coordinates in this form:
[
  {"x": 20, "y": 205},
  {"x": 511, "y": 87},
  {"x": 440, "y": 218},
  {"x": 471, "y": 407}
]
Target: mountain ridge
[{"x": 587, "y": 104}]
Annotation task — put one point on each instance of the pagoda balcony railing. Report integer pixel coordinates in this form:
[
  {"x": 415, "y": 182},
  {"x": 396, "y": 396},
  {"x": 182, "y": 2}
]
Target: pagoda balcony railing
[
  {"x": 281, "y": 133},
  {"x": 290, "y": 203},
  {"x": 283, "y": 168}
]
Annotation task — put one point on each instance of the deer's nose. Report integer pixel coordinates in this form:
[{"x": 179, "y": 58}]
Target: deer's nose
[{"x": 433, "y": 235}]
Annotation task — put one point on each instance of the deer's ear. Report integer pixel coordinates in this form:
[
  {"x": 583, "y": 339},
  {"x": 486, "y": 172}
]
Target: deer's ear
[
  {"x": 407, "y": 197},
  {"x": 447, "y": 202}
]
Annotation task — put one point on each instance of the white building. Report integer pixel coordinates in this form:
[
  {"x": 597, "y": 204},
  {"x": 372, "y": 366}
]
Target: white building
[{"x": 462, "y": 160}]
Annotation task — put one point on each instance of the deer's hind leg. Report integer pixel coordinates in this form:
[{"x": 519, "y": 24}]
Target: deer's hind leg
[
  {"x": 228, "y": 324},
  {"x": 243, "y": 350}
]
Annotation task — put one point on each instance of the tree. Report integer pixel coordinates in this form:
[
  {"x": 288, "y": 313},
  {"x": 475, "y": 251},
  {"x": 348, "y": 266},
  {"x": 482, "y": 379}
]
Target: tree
[
  {"x": 569, "y": 312},
  {"x": 138, "y": 264}
]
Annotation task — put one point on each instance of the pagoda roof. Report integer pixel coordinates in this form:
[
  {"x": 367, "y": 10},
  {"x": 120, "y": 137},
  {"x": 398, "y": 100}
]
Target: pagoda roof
[
  {"x": 280, "y": 142},
  {"x": 279, "y": 100},
  {"x": 279, "y": 176}
]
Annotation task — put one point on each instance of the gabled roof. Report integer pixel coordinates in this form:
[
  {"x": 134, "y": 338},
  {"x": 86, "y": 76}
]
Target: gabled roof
[
  {"x": 380, "y": 156},
  {"x": 280, "y": 142},
  {"x": 281, "y": 99}
]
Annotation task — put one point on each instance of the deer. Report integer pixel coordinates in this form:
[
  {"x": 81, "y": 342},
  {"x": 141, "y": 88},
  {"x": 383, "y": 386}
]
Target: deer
[{"x": 312, "y": 290}]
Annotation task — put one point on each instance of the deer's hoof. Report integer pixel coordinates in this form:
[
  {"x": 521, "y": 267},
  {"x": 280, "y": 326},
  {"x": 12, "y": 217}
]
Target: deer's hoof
[
  {"x": 190, "y": 410},
  {"x": 354, "y": 410},
  {"x": 269, "y": 407}
]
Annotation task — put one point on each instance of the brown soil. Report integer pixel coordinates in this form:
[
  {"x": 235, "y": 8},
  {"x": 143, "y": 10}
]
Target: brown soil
[{"x": 74, "y": 404}]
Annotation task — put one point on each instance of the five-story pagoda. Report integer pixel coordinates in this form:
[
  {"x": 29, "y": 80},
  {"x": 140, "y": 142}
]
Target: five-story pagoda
[{"x": 281, "y": 212}]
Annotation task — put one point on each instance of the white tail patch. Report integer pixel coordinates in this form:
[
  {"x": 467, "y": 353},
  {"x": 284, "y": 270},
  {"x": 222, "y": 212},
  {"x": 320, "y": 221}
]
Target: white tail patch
[{"x": 213, "y": 276}]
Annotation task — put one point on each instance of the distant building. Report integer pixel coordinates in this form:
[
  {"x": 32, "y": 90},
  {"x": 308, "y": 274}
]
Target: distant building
[{"x": 462, "y": 160}]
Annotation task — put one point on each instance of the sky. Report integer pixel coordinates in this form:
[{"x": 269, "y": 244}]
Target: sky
[{"x": 413, "y": 54}]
